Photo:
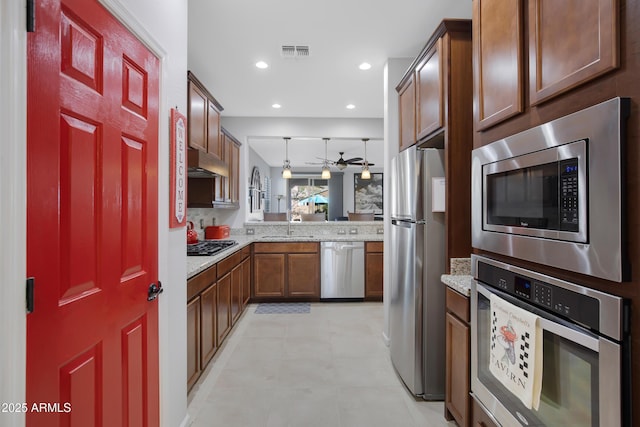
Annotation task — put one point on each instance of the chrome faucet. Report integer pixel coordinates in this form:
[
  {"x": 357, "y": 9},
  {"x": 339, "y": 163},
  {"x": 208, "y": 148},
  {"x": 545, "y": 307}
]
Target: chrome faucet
[{"x": 288, "y": 222}]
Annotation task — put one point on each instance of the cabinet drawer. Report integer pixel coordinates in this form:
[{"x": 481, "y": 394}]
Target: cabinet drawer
[
  {"x": 246, "y": 251},
  {"x": 201, "y": 281},
  {"x": 289, "y": 247},
  {"x": 228, "y": 263},
  {"x": 458, "y": 304},
  {"x": 374, "y": 247}
]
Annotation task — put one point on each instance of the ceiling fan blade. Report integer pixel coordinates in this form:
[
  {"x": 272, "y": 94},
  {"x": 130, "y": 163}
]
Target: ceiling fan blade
[
  {"x": 353, "y": 159},
  {"x": 362, "y": 163},
  {"x": 314, "y": 163}
]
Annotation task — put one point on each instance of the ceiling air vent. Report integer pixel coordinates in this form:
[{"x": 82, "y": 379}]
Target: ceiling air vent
[{"x": 295, "y": 51}]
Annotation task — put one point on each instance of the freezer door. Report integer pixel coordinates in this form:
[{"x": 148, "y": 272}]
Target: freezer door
[
  {"x": 406, "y": 184},
  {"x": 405, "y": 308}
]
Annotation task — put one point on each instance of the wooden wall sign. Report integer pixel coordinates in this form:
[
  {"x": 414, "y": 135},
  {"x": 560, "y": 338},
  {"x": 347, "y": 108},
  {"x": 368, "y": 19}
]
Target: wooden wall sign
[{"x": 178, "y": 170}]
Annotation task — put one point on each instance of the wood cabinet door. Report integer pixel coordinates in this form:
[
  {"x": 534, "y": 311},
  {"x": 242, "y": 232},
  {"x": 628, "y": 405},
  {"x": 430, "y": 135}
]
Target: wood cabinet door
[
  {"x": 429, "y": 87},
  {"x": 236, "y": 293},
  {"x": 373, "y": 275},
  {"x": 246, "y": 281},
  {"x": 457, "y": 386},
  {"x": 208, "y": 318},
  {"x": 193, "y": 342},
  {"x": 224, "y": 306},
  {"x": 570, "y": 43},
  {"x": 213, "y": 130},
  {"x": 234, "y": 173},
  {"x": 268, "y": 275},
  {"x": 407, "y": 113},
  {"x": 303, "y": 275},
  {"x": 197, "y": 118},
  {"x": 220, "y": 181},
  {"x": 497, "y": 51}
]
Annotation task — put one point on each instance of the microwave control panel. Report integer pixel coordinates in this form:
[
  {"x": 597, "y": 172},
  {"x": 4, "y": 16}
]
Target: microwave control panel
[{"x": 569, "y": 220}]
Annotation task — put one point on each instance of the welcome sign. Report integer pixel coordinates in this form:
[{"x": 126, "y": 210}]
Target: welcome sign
[
  {"x": 516, "y": 351},
  {"x": 178, "y": 170}
]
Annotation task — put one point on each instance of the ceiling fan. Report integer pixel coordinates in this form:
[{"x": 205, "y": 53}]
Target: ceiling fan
[{"x": 341, "y": 163}]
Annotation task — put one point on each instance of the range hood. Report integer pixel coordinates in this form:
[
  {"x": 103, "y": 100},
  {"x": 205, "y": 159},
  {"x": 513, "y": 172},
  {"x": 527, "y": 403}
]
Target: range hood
[{"x": 205, "y": 165}]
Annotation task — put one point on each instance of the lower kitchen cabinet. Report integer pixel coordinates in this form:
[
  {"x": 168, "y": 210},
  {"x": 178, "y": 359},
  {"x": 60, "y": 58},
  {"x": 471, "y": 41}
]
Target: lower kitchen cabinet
[
  {"x": 374, "y": 271},
  {"x": 303, "y": 271},
  {"x": 216, "y": 298},
  {"x": 224, "y": 306},
  {"x": 236, "y": 292},
  {"x": 286, "y": 271},
  {"x": 246, "y": 281},
  {"x": 457, "y": 378},
  {"x": 268, "y": 275},
  {"x": 193, "y": 342},
  {"x": 208, "y": 321}
]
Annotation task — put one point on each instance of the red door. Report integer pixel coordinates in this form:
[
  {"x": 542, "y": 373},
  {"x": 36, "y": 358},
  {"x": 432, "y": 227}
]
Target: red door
[{"x": 92, "y": 339}]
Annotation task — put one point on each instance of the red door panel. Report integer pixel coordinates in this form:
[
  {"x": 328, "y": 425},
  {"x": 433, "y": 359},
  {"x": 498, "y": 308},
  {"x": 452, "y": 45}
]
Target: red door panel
[{"x": 92, "y": 339}]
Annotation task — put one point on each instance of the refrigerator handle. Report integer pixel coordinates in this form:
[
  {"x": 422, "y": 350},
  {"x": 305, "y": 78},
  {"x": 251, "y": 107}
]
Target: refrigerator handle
[{"x": 404, "y": 224}]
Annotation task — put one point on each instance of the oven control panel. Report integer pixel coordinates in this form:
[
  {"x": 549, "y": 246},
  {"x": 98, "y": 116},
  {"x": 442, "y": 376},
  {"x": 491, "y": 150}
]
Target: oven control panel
[{"x": 555, "y": 299}]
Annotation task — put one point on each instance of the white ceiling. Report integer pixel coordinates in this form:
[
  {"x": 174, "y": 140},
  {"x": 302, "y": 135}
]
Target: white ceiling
[{"x": 227, "y": 38}]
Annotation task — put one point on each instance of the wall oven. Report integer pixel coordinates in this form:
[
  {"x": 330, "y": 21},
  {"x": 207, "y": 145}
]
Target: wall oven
[
  {"x": 585, "y": 356},
  {"x": 554, "y": 194}
]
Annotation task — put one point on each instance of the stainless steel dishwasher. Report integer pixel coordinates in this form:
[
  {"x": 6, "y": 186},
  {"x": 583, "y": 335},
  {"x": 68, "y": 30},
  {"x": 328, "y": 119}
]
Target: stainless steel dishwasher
[{"x": 342, "y": 270}]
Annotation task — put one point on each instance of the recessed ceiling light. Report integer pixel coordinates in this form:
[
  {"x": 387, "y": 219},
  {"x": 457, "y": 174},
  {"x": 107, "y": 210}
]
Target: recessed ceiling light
[
  {"x": 262, "y": 64},
  {"x": 276, "y": 105},
  {"x": 365, "y": 66},
  {"x": 351, "y": 106}
]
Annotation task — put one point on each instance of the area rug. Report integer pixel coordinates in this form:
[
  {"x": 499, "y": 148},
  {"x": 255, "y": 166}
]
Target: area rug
[{"x": 283, "y": 308}]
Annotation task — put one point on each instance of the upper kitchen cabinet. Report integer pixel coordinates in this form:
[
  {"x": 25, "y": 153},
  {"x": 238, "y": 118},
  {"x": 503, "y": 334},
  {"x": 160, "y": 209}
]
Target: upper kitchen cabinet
[
  {"x": 568, "y": 44},
  {"x": 214, "y": 154},
  {"x": 228, "y": 188},
  {"x": 497, "y": 55},
  {"x": 436, "y": 91},
  {"x": 407, "y": 113},
  {"x": 443, "y": 105},
  {"x": 204, "y": 118},
  {"x": 429, "y": 103}
]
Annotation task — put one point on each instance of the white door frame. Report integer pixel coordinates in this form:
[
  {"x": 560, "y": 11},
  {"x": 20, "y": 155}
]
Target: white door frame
[
  {"x": 13, "y": 206},
  {"x": 13, "y": 166}
]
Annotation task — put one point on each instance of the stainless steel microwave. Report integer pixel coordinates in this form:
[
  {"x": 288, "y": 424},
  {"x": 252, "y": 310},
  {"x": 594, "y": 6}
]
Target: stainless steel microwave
[{"x": 554, "y": 194}]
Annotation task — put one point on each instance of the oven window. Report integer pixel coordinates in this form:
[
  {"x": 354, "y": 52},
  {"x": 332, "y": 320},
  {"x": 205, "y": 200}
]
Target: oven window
[
  {"x": 526, "y": 197},
  {"x": 569, "y": 380}
]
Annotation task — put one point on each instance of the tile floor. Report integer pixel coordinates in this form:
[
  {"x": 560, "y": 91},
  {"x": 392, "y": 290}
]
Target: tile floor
[{"x": 326, "y": 368}]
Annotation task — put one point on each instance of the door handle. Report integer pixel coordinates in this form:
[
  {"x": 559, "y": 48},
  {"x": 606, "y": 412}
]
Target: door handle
[{"x": 154, "y": 291}]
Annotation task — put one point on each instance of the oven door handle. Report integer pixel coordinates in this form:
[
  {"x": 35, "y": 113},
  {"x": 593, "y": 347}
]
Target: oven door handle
[{"x": 549, "y": 322}]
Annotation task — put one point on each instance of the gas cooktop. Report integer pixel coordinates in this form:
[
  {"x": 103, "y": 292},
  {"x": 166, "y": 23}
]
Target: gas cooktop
[{"x": 209, "y": 247}]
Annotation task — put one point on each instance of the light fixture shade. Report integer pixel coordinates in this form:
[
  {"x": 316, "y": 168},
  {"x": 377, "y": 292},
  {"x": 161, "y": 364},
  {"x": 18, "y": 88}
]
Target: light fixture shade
[
  {"x": 365, "y": 165},
  {"x": 365, "y": 172},
  {"x": 341, "y": 166},
  {"x": 326, "y": 172},
  {"x": 286, "y": 167}
]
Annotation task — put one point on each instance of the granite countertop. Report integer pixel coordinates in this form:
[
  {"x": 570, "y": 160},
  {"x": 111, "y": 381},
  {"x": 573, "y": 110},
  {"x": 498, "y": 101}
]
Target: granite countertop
[
  {"x": 460, "y": 277},
  {"x": 197, "y": 264},
  {"x": 460, "y": 283}
]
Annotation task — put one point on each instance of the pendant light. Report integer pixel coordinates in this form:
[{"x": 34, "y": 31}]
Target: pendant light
[
  {"x": 326, "y": 171},
  {"x": 286, "y": 167},
  {"x": 365, "y": 165}
]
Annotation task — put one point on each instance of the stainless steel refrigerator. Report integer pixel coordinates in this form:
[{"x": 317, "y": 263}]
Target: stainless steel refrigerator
[{"x": 417, "y": 307}]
